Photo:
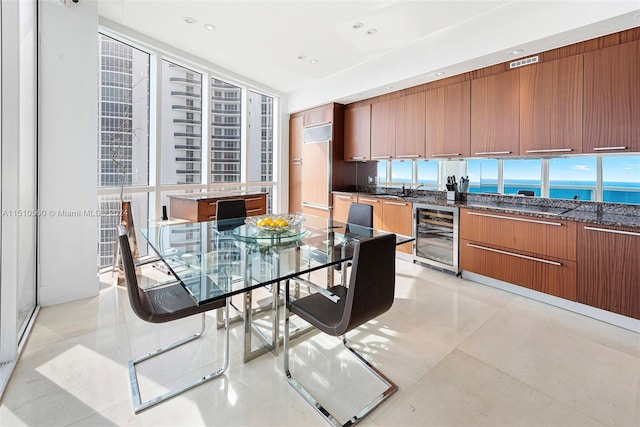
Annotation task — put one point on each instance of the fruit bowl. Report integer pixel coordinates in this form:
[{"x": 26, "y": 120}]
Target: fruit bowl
[{"x": 275, "y": 223}]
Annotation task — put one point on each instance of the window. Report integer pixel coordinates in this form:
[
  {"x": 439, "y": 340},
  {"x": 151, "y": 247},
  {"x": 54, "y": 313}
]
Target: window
[
  {"x": 573, "y": 178},
  {"x": 227, "y": 126},
  {"x": 428, "y": 173},
  {"x": 124, "y": 123},
  {"x": 260, "y": 138},
  {"x": 522, "y": 174},
  {"x": 621, "y": 179},
  {"x": 483, "y": 175},
  {"x": 401, "y": 171}
]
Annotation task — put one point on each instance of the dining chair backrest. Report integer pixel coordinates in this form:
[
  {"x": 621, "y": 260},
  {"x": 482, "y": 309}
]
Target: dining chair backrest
[
  {"x": 162, "y": 304},
  {"x": 372, "y": 282},
  {"x": 360, "y": 214},
  {"x": 230, "y": 209},
  {"x": 133, "y": 290}
]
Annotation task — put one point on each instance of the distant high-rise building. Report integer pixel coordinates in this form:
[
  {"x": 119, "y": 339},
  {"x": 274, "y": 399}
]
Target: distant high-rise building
[
  {"x": 123, "y": 154},
  {"x": 226, "y": 132}
]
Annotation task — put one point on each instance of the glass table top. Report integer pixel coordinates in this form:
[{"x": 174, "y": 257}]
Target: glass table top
[{"x": 218, "y": 259}]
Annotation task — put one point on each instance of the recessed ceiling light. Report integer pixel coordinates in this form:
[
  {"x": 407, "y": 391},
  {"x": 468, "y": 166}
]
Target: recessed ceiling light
[
  {"x": 301, "y": 57},
  {"x": 439, "y": 73},
  {"x": 515, "y": 52},
  {"x": 189, "y": 20},
  {"x": 371, "y": 32},
  {"x": 209, "y": 27},
  {"x": 389, "y": 87},
  {"x": 313, "y": 61},
  {"x": 357, "y": 25}
]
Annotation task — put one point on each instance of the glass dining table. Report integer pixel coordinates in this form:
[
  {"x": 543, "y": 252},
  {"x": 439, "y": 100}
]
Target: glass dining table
[{"x": 216, "y": 260}]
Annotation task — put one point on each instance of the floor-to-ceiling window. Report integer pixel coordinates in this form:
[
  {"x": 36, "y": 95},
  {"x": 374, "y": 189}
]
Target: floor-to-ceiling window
[
  {"x": 167, "y": 127},
  {"x": 18, "y": 182}
]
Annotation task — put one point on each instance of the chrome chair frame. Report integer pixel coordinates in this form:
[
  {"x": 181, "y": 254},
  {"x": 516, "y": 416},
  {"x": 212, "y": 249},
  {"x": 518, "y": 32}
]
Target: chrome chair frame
[
  {"x": 346, "y": 324},
  {"x": 130, "y": 274}
]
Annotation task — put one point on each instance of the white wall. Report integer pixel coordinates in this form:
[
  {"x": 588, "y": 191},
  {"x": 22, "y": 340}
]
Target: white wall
[{"x": 68, "y": 151}]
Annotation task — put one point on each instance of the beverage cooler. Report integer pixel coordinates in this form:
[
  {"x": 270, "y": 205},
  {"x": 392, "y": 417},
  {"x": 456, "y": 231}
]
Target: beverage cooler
[{"x": 436, "y": 232}]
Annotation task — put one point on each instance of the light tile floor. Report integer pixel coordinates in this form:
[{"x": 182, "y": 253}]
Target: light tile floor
[{"x": 462, "y": 354}]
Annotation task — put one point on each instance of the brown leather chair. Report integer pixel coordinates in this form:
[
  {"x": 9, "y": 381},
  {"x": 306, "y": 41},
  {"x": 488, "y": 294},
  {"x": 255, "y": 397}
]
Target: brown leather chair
[
  {"x": 160, "y": 304},
  {"x": 370, "y": 293}
]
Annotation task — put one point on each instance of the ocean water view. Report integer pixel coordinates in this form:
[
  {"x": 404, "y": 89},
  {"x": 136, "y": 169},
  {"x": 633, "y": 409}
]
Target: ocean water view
[{"x": 615, "y": 192}]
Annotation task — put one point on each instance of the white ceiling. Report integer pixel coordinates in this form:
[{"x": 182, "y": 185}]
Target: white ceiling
[{"x": 262, "y": 40}]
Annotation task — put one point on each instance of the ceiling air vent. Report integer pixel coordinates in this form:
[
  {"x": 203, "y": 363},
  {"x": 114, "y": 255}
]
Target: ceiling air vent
[{"x": 523, "y": 62}]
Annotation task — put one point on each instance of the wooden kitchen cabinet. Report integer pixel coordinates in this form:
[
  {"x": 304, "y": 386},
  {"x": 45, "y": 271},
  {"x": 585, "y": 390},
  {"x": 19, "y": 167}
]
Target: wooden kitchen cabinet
[
  {"x": 608, "y": 269},
  {"x": 543, "y": 274},
  {"x": 318, "y": 115},
  {"x": 612, "y": 99},
  {"x": 495, "y": 115},
  {"x": 410, "y": 126},
  {"x": 319, "y": 168},
  {"x": 535, "y": 253},
  {"x": 296, "y": 137},
  {"x": 397, "y": 218},
  {"x": 357, "y": 133},
  {"x": 551, "y": 107},
  {"x": 376, "y": 203},
  {"x": 448, "y": 121},
  {"x": 383, "y": 130},
  {"x": 341, "y": 204},
  {"x": 549, "y": 237}
]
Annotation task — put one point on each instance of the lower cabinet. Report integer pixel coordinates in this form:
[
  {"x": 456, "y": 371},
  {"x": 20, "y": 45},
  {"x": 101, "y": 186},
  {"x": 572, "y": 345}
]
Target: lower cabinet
[
  {"x": 397, "y": 218},
  {"x": 377, "y": 209},
  {"x": 609, "y": 269},
  {"x": 552, "y": 276},
  {"x": 341, "y": 204},
  {"x": 535, "y": 253}
]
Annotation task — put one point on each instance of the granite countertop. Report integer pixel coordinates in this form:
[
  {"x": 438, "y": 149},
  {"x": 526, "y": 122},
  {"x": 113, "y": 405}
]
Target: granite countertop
[
  {"x": 606, "y": 214},
  {"x": 213, "y": 195}
]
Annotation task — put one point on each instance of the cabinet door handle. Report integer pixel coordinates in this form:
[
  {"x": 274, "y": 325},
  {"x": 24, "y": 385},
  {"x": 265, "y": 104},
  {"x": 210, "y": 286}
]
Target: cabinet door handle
[
  {"x": 409, "y": 156},
  {"x": 315, "y": 125},
  {"x": 344, "y": 197},
  {"x": 558, "y": 224},
  {"x": 605, "y": 230},
  {"x": 608, "y": 148},
  {"x": 380, "y": 157},
  {"x": 296, "y": 163},
  {"x": 395, "y": 203},
  {"x": 551, "y": 150},
  {"x": 297, "y": 159},
  {"x": 492, "y": 152},
  {"x": 515, "y": 255},
  {"x": 315, "y": 206},
  {"x": 254, "y": 210},
  {"x": 357, "y": 157},
  {"x": 370, "y": 200},
  {"x": 251, "y": 199},
  {"x": 446, "y": 155}
]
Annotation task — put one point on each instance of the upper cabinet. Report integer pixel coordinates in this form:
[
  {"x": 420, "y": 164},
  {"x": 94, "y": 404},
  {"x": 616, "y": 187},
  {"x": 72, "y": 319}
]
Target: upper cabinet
[
  {"x": 383, "y": 130},
  {"x": 410, "y": 126},
  {"x": 357, "y": 133},
  {"x": 448, "y": 121},
  {"x": 551, "y": 107},
  {"x": 612, "y": 99},
  {"x": 319, "y": 115},
  {"x": 495, "y": 115}
]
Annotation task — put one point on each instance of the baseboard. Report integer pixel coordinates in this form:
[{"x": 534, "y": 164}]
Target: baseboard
[{"x": 586, "y": 310}]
